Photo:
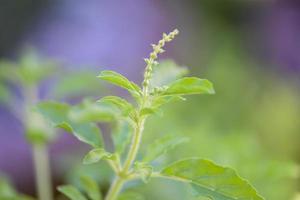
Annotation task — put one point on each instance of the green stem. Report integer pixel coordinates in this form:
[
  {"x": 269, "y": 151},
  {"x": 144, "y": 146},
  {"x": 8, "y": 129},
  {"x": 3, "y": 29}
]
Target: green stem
[
  {"x": 135, "y": 144},
  {"x": 115, "y": 188},
  {"x": 42, "y": 172},
  {"x": 121, "y": 179},
  {"x": 39, "y": 151}
]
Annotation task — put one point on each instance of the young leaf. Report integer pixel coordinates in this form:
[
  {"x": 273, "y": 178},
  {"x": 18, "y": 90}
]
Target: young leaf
[
  {"x": 96, "y": 155},
  {"x": 119, "y": 80},
  {"x": 188, "y": 86},
  {"x": 71, "y": 192},
  {"x": 91, "y": 188},
  {"x": 162, "y": 146},
  {"x": 211, "y": 180},
  {"x": 124, "y": 106},
  {"x": 144, "y": 170},
  {"x": 57, "y": 114}
]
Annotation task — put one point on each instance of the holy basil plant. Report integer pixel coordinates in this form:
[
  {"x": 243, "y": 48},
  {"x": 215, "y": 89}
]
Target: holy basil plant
[{"x": 159, "y": 87}]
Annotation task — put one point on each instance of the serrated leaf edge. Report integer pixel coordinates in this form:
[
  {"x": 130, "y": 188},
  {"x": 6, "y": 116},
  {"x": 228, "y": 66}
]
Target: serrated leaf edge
[{"x": 176, "y": 178}]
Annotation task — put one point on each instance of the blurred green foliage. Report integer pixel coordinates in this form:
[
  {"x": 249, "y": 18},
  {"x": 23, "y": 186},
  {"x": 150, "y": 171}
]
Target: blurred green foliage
[{"x": 7, "y": 191}]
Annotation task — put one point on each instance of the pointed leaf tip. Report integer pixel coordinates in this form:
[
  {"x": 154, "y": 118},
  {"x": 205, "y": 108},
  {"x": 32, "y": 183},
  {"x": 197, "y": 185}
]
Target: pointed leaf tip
[
  {"x": 211, "y": 180},
  {"x": 119, "y": 80},
  {"x": 189, "y": 86}
]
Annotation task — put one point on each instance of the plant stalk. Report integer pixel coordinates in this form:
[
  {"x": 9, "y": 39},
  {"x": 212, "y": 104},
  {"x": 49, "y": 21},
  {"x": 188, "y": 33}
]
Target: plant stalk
[
  {"x": 39, "y": 151},
  {"x": 42, "y": 172},
  {"x": 136, "y": 140},
  {"x": 131, "y": 156},
  {"x": 115, "y": 188}
]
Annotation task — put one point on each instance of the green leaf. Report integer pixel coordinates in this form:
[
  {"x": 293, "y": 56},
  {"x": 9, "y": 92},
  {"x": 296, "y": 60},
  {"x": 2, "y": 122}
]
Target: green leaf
[
  {"x": 57, "y": 114},
  {"x": 159, "y": 101},
  {"x": 150, "y": 111},
  {"x": 211, "y": 180},
  {"x": 121, "y": 136},
  {"x": 119, "y": 102},
  {"x": 166, "y": 72},
  {"x": 91, "y": 188},
  {"x": 130, "y": 196},
  {"x": 88, "y": 133},
  {"x": 144, "y": 170},
  {"x": 96, "y": 155},
  {"x": 188, "y": 86},
  {"x": 90, "y": 111},
  {"x": 162, "y": 145},
  {"x": 76, "y": 84},
  {"x": 119, "y": 80},
  {"x": 33, "y": 68},
  {"x": 6, "y": 190},
  {"x": 71, "y": 192}
]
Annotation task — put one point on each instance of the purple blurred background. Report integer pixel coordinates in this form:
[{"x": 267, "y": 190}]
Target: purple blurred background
[{"x": 99, "y": 34}]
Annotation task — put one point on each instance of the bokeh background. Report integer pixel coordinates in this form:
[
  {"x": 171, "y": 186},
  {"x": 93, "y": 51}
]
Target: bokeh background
[{"x": 249, "y": 49}]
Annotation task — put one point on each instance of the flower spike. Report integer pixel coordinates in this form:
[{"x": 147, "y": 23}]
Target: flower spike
[{"x": 151, "y": 61}]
